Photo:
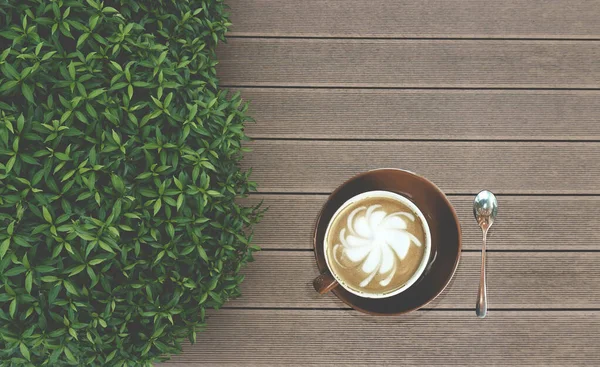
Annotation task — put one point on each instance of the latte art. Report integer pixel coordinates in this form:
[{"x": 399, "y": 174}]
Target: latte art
[
  {"x": 376, "y": 241},
  {"x": 377, "y": 244}
]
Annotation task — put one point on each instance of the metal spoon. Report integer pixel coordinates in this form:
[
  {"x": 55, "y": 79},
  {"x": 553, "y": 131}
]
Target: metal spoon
[{"x": 485, "y": 208}]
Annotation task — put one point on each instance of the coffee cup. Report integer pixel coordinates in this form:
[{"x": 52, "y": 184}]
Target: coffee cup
[{"x": 377, "y": 244}]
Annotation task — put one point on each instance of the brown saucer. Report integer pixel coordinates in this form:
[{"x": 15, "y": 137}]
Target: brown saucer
[{"x": 445, "y": 238}]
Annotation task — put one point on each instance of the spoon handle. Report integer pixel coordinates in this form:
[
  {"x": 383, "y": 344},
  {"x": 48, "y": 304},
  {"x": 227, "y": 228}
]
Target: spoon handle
[{"x": 481, "y": 307}]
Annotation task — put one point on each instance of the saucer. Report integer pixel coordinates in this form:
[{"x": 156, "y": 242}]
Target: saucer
[{"x": 445, "y": 238}]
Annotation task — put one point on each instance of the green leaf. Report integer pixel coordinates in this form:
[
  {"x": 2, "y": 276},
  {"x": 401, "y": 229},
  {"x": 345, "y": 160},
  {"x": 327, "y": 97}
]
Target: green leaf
[
  {"x": 81, "y": 117},
  {"x": 96, "y": 93},
  {"x": 24, "y": 351},
  {"x": 10, "y": 164},
  {"x": 65, "y": 116},
  {"x": 96, "y": 261},
  {"x": 168, "y": 100},
  {"x": 141, "y": 84},
  {"x": 106, "y": 247},
  {"x": 70, "y": 287},
  {"x": 69, "y": 355},
  {"x": 117, "y": 183},
  {"x": 8, "y": 85},
  {"x": 47, "y": 215},
  {"x": 85, "y": 236},
  {"x": 208, "y": 165},
  {"x": 157, "y": 206},
  {"x": 53, "y": 293},
  {"x": 5, "y": 53},
  {"x": 202, "y": 253},
  {"x": 15, "y": 271},
  {"x": 111, "y": 355},
  {"x": 116, "y": 137},
  {"x": 28, "y": 282},
  {"x": 27, "y": 92},
  {"x": 72, "y": 70},
  {"x": 9, "y": 71},
  {"x": 82, "y": 39},
  {"x": 193, "y": 111},
  {"x": 114, "y": 231},
  {"x": 4, "y": 247},
  {"x": 162, "y": 57},
  {"x": 44, "y": 269},
  {"x": 12, "y": 309},
  {"x": 67, "y": 175},
  {"x": 118, "y": 86},
  {"x": 26, "y": 261},
  {"x": 159, "y": 256},
  {"x": 11, "y": 228},
  {"x": 93, "y": 19},
  {"x": 157, "y": 102},
  {"x": 158, "y": 332},
  {"x": 20, "y": 123},
  {"x": 78, "y": 269},
  {"x": 48, "y": 55},
  {"x": 62, "y": 156}
]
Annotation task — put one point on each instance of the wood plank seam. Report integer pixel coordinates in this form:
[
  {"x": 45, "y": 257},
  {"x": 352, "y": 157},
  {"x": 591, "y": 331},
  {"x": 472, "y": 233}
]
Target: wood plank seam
[{"x": 235, "y": 35}]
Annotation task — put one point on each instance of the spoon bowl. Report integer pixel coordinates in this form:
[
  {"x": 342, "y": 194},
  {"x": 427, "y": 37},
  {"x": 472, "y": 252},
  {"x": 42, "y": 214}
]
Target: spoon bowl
[{"x": 485, "y": 208}]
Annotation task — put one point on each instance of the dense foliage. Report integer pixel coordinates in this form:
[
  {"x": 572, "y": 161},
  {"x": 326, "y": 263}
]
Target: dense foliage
[{"x": 118, "y": 173}]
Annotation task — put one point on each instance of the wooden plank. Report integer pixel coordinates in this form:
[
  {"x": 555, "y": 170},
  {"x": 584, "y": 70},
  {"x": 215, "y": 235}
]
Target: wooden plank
[
  {"x": 456, "y": 167},
  {"x": 423, "y": 114},
  {"x": 289, "y": 222},
  {"x": 410, "y": 63},
  {"x": 405, "y": 18},
  {"x": 279, "y": 337},
  {"x": 515, "y": 280}
]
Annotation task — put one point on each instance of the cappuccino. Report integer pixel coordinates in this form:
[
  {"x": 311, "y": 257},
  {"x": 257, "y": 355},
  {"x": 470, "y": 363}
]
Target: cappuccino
[{"x": 377, "y": 244}]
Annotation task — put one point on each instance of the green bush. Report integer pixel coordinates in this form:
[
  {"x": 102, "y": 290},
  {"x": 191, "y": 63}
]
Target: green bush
[{"x": 118, "y": 178}]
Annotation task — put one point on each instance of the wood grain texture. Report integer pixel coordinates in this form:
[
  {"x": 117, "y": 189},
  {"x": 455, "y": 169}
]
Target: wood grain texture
[
  {"x": 423, "y": 114},
  {"x": 515, "y": 281},
  {"x": 456, "y": 167},
  {"x": 429, "y": 18},
  {"x": 410, "y": 63},
  {"x": 286, "y": 337},
  {"x": 567, "y": 222},
  {"x": 524, "y": 71}
]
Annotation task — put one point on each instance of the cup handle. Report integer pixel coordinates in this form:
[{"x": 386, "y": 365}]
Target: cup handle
[{"x": 324, "y": 283}]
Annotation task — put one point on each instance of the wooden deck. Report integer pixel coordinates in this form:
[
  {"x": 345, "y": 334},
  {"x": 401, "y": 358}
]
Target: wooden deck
[{"x": 450, "y": 89}]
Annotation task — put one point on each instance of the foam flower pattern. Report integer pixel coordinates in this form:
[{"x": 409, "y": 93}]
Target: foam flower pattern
[{"x": 376, "y": 241}]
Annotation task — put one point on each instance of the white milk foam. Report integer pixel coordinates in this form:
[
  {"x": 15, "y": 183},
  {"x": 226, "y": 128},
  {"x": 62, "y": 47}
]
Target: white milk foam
[{"x": 377, "y": 241}]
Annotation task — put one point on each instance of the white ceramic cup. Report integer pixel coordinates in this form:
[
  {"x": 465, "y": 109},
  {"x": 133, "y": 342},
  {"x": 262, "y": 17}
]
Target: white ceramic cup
[{"x": 427, "y": 251}]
